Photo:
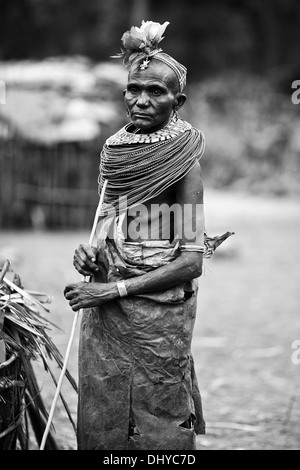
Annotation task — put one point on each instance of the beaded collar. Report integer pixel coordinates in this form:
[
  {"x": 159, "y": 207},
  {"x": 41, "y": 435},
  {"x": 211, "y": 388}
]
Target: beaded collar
[{"x": 171, "y": 130}]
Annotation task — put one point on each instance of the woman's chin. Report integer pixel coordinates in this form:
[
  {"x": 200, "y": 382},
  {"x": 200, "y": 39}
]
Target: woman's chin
[{"x": 145, "y": 126}]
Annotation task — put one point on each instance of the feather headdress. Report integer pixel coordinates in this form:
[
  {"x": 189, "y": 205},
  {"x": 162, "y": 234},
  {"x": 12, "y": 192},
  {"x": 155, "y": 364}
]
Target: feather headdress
[{"x": 143, "y": 43}]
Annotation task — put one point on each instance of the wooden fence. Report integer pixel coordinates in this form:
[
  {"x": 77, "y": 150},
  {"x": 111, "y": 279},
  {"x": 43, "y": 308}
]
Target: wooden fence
[{"x": 48, "y": 187}]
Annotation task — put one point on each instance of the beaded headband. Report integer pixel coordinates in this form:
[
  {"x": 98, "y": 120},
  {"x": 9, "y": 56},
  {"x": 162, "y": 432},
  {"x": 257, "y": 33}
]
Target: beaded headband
[{"x": 142, "y": 43}]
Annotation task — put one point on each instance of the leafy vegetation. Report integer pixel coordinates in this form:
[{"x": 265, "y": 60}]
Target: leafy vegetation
[{"x": 24, "y": 338}]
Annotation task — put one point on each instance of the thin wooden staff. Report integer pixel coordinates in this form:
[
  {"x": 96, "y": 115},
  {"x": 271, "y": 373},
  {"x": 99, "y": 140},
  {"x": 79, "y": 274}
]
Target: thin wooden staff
[{"x": 76, "y": 316}]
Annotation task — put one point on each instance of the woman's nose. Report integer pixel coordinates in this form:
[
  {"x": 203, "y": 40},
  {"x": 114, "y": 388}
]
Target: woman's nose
[{"x": 143, "y": 99}]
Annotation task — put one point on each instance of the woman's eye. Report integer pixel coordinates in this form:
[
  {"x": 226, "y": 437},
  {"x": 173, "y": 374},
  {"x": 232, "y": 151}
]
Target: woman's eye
[
  {"x": 133, "y": 90},
  {"x": 156, "y": 92}
]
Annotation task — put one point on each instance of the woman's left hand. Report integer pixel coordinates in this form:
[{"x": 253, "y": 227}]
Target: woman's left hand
[{"x": 89, "y": 294}]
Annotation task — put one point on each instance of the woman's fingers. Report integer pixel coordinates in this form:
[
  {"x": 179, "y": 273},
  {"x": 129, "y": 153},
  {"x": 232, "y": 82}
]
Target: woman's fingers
[
  {"x": 82, "y": 269},
  {"x": 72, "y": 295},
  {"x": 85, "y": 259}
]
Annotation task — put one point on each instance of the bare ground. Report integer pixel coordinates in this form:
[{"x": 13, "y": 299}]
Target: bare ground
[{"x": 248, "y": 319}]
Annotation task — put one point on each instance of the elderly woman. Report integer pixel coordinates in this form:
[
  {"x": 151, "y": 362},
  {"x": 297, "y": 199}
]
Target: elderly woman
[{"x": 137, "y": 383}]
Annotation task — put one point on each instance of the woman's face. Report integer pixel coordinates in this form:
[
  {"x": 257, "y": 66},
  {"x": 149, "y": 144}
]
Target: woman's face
[{"x": 151, "y": 96}]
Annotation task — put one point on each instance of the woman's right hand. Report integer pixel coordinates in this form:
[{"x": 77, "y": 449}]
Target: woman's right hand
[{"x": 84, "y": 259}]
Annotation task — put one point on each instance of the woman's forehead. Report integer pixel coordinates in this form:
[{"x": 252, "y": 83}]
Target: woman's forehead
[{"x": 156, "y": 71}]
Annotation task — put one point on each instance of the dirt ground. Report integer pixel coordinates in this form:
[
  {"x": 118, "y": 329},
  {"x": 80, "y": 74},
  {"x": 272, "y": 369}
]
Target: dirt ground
[{"x": 247, "y": 321}]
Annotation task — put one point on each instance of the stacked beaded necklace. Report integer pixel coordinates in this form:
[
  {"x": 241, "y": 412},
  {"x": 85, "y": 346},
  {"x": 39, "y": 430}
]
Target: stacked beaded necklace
[{"x": 138, "y": 167}]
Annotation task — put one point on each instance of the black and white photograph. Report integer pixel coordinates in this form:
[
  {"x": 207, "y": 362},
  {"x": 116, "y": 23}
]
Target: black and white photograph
[{"x": 149, "y": 227}]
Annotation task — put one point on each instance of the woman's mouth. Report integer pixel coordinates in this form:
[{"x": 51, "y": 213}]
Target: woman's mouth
[{"x": 141, "y": 116}]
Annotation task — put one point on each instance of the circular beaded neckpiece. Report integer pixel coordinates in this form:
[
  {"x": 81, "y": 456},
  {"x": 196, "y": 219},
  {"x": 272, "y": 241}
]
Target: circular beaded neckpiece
[
  {"x": 171, "y": 130},
  {"x": 139, "y": 167}
]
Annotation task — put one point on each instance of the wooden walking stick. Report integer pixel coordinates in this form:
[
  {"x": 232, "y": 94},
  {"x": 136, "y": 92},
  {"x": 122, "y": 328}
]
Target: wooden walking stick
[{"x": 76, "y": 316}]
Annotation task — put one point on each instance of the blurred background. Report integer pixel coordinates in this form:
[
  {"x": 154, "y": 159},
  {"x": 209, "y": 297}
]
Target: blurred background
[{"x": 63, "y": 98}]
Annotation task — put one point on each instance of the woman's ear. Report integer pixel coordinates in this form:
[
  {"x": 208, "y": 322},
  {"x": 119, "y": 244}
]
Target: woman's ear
[
  {"x": 124, "y": 91},
  {"x": 181, "y": 99}
]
